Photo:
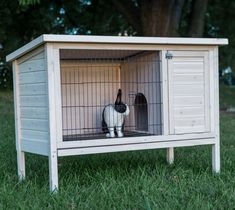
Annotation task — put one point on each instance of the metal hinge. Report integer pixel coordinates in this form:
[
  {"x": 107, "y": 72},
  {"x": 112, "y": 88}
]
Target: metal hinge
[{"x": 169, "y": 55}]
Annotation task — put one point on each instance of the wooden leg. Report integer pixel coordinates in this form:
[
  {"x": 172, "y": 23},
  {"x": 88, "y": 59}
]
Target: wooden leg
[
  {"x": 53, "y": 171},
  {"x": 216, "y": 158},
  {"x": 170, "y": 155},
  {"x": 21, "y": 165}
]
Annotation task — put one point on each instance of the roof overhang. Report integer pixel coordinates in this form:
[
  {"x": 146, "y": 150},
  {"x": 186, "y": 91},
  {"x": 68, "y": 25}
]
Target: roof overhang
[{"x": 112, "y": 39}]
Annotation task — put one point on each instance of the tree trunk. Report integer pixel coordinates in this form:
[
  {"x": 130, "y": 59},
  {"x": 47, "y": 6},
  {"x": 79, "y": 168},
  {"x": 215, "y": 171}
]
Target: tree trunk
[
  {"x": 162, "y": 17},
  {"x": 155, "y": 17},
  {"x": 152, "y": 17},
  {"x": 175, "y": 18},
  {"x": 197, "y": 20}
]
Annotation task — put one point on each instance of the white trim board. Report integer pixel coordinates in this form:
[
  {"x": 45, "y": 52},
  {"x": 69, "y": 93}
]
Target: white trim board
[
  {"x": 113, "y": 40},
  {"x": 134, "y": 147}
]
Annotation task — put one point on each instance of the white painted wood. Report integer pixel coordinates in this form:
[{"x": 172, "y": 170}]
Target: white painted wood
[
  {"x": 132, "y": 140},
  {"x": 114, "y": 40},
  {"x": 58, "y": 95},
  {"x": 181, "y": 93},
  {"x": 216, "y": 157},
  {"x": 33, "y": 89},
  {"x": 35, "y": 54},
  {"x": 189, "y": 129},
  {"x": 35, "y": 146},
  {"x": 140, "y": 47},
  {"x": 189, "y": 101},
  {"x": 33, "y": 101},
  {"x": 133, "y": 147},
  {"x": 212, "y": 78},
  {"x": 190, "y": 111},
  {"x": 170, "y": 155},
  {"x": 216, "y": 146},
  {"x": 194, "y": 121},
  {"x": 189, "y": 90},
  {"x": 32, "y": 112},
  {"x": 133, "y": 40},
  {"x": 20, "y": 153},
  {"x": 165, "y": 103},
  {"x": 32, "y": 66},
  {"x": 34, "y": 124},
  {"x": 33, "y": 77},
  {"x": 53, "y": 161},
  {"x": 35, "y": 135}
]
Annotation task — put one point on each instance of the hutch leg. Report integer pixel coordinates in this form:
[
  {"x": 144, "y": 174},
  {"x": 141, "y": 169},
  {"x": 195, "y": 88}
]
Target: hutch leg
[
  {"x": 53, "y": 171},
  {"x": 216, "y": 158},
  {"x": 21, "y": 165},
  {"x": 170, "y": 155}
]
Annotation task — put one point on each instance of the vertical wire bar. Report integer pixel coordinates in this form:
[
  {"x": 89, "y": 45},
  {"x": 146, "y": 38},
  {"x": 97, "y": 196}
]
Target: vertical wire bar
[
  {"x": 92, "y": 69},
  {"x": 96, "y": 101},
  {"x": 100, "y": 101},
  {"x": 155, "y": 105},
  {"x": 125, "y": 73},
  {"x": 152, "y": 103},
  {"x": 66, "y": 108},
  {"x": 90, "y": 96},
  {"x": 70, "y": 100},
  {"x": 148, "y": 97},
  {"x": 62, "y": 98},
  {"x": 80, "y": 98},
  {"x": 107, "y": 86},
  {"x": 87, "y": 99},
  {"x": 143, "y": 65},
  {"x": 160, "y": 92},
  {"x": 75, "y": 100},
  {"x": 137, "y": 91},
  {"x": 83, "y": 103},
  {"x": 113, "y": 79},
  {"x": 128, "y": 101}
]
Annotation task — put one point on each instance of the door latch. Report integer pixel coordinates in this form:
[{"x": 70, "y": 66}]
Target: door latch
[{"x": 169, "y": 55}]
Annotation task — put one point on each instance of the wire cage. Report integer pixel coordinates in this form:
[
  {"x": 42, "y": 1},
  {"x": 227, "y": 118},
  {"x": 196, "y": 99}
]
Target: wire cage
[{"x": 90, "y": 80}]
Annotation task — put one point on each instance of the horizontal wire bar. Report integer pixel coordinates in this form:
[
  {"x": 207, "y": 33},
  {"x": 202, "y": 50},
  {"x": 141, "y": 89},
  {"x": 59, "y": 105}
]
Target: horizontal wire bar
[
  {"x": 98, "y": 106},
  {"x": 111, "y": 82},
  {"x": 98, "y": 128}
]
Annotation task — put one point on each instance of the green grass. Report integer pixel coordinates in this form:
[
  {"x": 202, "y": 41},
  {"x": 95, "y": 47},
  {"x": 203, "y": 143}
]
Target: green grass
[
  {"x": 128, "y": 180},
  {"x": 227, "y": 96}
]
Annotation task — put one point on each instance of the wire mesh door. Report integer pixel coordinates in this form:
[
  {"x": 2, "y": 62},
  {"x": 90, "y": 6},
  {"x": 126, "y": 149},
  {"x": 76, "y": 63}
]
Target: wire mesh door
[{"x": 90, "y": 80}]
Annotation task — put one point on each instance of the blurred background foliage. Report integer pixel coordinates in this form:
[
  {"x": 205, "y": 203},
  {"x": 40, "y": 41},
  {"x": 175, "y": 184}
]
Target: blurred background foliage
[{"x": 23, "y": 20}]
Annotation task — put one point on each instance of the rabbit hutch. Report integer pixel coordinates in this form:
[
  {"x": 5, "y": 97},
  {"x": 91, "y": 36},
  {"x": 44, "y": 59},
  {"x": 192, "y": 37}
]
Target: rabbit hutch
[{"x": 62, "y": 84}]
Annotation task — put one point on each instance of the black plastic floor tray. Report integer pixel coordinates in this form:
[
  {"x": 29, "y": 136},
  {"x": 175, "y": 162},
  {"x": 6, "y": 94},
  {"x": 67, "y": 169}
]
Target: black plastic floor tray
[{"x": 95, "y": 136}]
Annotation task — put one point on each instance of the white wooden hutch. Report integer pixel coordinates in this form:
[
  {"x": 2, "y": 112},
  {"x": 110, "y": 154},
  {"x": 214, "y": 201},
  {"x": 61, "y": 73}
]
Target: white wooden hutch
[{"x": 183, "y": 103}]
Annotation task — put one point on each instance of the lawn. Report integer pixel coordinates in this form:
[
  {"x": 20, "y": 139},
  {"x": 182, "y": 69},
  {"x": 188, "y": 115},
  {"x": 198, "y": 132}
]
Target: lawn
[
  {"x": 227, "y": 96},
  {"x": 128, "y": 180}
]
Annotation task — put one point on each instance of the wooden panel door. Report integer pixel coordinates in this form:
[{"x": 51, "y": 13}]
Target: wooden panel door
[{"x": 188, "y": 91}]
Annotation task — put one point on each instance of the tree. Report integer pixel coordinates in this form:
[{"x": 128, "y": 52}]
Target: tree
[
  {"x": 152, "y": 17},
  {"x": 163, "y": 17},
  {"x": 20, "y": 23}
]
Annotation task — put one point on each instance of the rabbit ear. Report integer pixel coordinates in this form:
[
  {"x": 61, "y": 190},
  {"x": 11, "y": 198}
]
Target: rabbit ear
[{"x": 119, "y": 97}]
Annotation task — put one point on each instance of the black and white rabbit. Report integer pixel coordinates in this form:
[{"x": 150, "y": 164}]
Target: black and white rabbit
[{"x": 113, "y": 117}]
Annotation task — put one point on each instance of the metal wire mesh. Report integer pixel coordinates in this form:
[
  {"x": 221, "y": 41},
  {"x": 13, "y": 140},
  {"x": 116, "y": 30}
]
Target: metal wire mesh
[{"x": 90, "y": 80}]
